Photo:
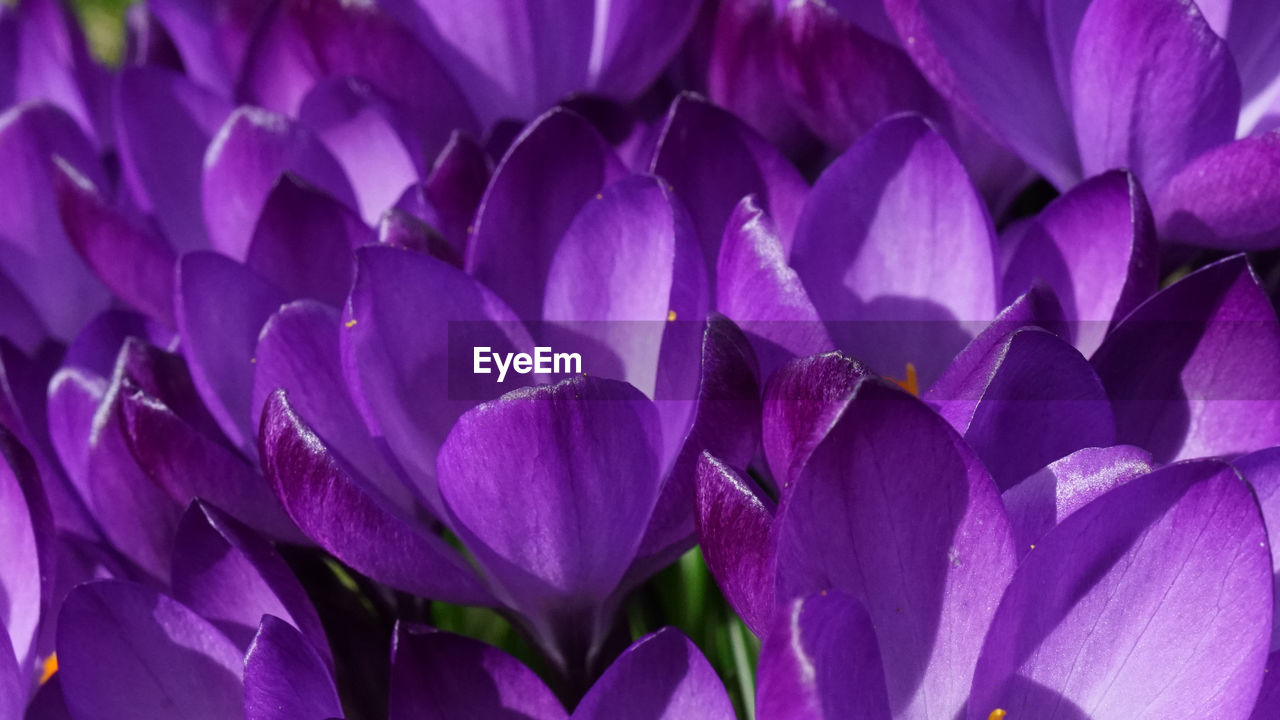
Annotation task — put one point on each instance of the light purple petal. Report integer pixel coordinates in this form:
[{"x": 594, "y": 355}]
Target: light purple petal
[
  {"x": 231, "y": 576},
  {"x": 1150, "y": 575},
  {"x": 556, "y": 165},
  {"x": 852, "y": 522},
  {"x": 821, "y": 661},
  {"x": 1195, "y": 370},
  {"x": 1038, "y": 503},
  {"x": 26, "y": 571},
  {"x": 1203, "y": 204},
  {"x": 250, "y": 151},
  {"x": 285, "y": 678},
  {"x": 441, "y": 675},
  {"x": 20, "y": 324},
  {"x": 126, "y": 652},
  {"x": 50, "y": 62},
  {"x": 336, "y": 510},
  {"x": 598, "y": 476},
  {"x": 734, "y": 520},
  {"x": 1152, "y": 88},
  {"x": 758, "y": 290},
  {"x": 1250, "y": 28},
  {"x": 633, "y": 43},
  {"x": 211, "y": 37},
  {"x": 1095, "y": 247},
  {"x": 663, "y": 676},
  {"x": 896, "y": 250}
]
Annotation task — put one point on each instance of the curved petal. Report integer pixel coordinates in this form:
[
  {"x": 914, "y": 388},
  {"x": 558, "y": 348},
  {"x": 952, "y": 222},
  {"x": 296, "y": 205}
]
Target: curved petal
[
  {"x": 285, "y": 678},
  {"x": 556, "y": 165},
  {"x": 126, "y": 652},
  {"x": 1095, "y": 247},
  {"x": 663, "y": 676},
  {"x": 399, "y": 228},
  {"x": 734, "y": 521},
  {"x": 633, "y": 41},
  {"x": 245, "y": 158},
  {"x": 1152, "y": 88},
  {"x": 821, "y": 661},
  {"x": 455, "y": 188},
  {"x": 13, "y": 685},
  {"x": 26, "y": 571},
  {"x": 439, "y": 674},
  {"x": 335, "y": 509},
  {"x": 853, "y": 522},
  {"x": 49, "y": 61},
  {"x": 1202, "y": 204},
  {"x": 1261, "y": 470},
  {"x": 1195, "y": 370},
  {"x": 896, "y": 250},
  {"x": 1111, "y": 593},
  {"x": 1269, "y": 699},
  {"x": 210, "y": 37}
]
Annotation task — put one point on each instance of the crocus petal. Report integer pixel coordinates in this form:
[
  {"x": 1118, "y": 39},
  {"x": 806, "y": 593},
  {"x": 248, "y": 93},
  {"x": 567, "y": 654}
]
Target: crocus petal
[
  {"x": 556, "y": 165},
  {"x": 725, "y": 422},
  {"x": 126, "y": 652},
  {"x": 336, "y": 510},
  {"x": 456, "y": 186},
  {"x": 841, "y": 79},
  {"x": 399, "y": 228},
  {"x": 129, "y": 257},
  {"x": 34, "y": 249},
  {"x": 663, "y": 676},
  {"x": 1202, "y": 204},
  {"x": 406, "y": 319},
  {"x": 26, "y": 571},
  {"x": 303, "y": 242},
  {"x": 48, "y": 702},
  {"x": 285, "y": 678},
  {"x": 633, "y": 42},
  {"x": 852, "y": 522},
  {"x": 1095, "y": 247},
  {"x": 1048, "y": 496},
  {"x": 50, "y": 62},
  {"x": 1262, "y": 471},
  {"x": 801, "y": 402},
  {"x": 20, "y": 323},
  {"x": 1108, "y": 594},
  {"x": 821, "y": 661},
  {"x": 299, "y": 352},
  {"x": 734, "y": 518},
  {"x": 598, "y": 476},
  {"x": 368, "y": 137},
  {"x": 231, "y": 577},
  {"x": 1250, "y": 29},
  {"x": 163, "y": 124},
  {"x": 218, "y": 337},
  {"x": 1038, "y": 400},
  {"x": 13, "y": 685},
  {"x": 250, "y": 151},
  {"x": 1132, "y": 57},
  {"x": 762, "y": 294},
  {"x": 896, "y": 250},
  {"x": 1193, "y": 371},
  {"x": 441, "y": 675},
  {"x": 210, "y": 37},
  {"x": 712, "y": 160},
  {"x": 1269, "y": 698}
]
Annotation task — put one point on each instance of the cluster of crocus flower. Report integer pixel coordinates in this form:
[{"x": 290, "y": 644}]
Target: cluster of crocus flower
[{"x": 936, "y": 327}]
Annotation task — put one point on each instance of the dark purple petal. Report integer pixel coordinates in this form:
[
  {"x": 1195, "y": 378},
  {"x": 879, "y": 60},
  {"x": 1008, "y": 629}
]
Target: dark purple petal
[
  {"x": 408, "y": 334},
  {"x": 34, "y": 250},
  {"x": 1262, "y": 471},
  {"x": 1095, "y": 247},
  {"x": 1268, "y": 705},
  {"x": 368, "y": 137},
  {"x": 638, "y": 40},
  {"x": 244, "y": 160},
  {"x": 663, "y": 676},
  {"x": 13, "y": 684},
  {"x": 896, "y": 250},
  {"x": 441, "y": 675},
  {"x": 221, "y": 307},
  {"x": 399, "y": 228},
  {"x": 285, "y": 678},
  {"x": 852, "y": 522},
  {"x": 821, "y": 661},
  {"x": 758, "y": 290},
  {"x": 712, "y": 160},
  {"x": 802, "y": 400},
  {"x": 20, "y": 323},
  {"x": 455, "y": 187},
  {"x": 597, "y": 475},
  {"x": 231, "y": 577},
  {"x": 734, "y": 520},
  {"x": 127, "y": 256},
  {"x": 126, "y": 652},
  {"x": 163, "y": 123},
  {"x": 48, "y": 702},
  {"x": 335, "y": 509},
  {"x": 1147, "y": 576},
  {"x": 210, "y": 37},
  {"x": 1047, "y": 497},
  {"x": 1133, "y": 57},
  {"x": 556, "y": 165},
  {"x": 303, "y": 242},
  {"x": 1203, "y": 204},
  {"x": 1195, "y": 370}
]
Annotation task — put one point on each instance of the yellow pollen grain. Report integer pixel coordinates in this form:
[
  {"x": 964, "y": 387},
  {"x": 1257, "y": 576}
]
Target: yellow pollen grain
[
  {"x": 997, "y": 714},
  {"x": 599, "y": 196},
  {"x": 350, "y": 323},
  {"x": 671, "y": 316},
  {"x": 48, "y": 668},
  {"x": 911, "y": 383}
]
